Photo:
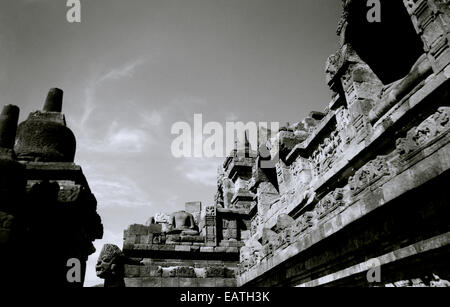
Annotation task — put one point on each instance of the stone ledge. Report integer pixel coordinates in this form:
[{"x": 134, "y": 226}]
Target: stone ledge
[
  {"x": 233, "y": 211},
  {"x": 303, "y": 147},
  {"x": 182, "y": 248},
  {"x": 414, "y": 249},
  {"x": 177, "y": 282},
  {"x": 409, "y": 179},
  {"x": 379, "y": 131}
]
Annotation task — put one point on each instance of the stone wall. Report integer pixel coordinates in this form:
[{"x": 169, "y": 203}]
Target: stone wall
[
  {"x": 171, "y": 251},
  {"x": 366, "y": 179}
]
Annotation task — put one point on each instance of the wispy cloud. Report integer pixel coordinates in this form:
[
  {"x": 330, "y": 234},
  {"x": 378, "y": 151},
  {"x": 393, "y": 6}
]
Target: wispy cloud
[
  {"x": 152, "y": 119},
  {"x": 118, "y": 191},
  {"x": 125, "y": 71},
  {"x": 118, "y": 140},
  {"x": 201, "y": 171}
]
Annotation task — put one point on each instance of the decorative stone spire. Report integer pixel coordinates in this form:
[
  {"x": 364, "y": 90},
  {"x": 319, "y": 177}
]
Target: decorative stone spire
[
  {"x": 54, "y": 100},
  {"x": 8, "y": 126},
  {"x": 12, "y": 176}
]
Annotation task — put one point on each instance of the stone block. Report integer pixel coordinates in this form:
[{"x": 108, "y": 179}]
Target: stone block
[
  {"x": 131, "y": 239},
  {"x": 171, "y": 282},
  {"x": 206, "y": 249},
  {"x": 220, "y": 249},
  {"x": 219, "y": 282},
  {"x": 137, "y": 229},
  {"x": 167, "y": 247},
  {"x": 206, "y": 282},
  {"x": 211, "y": 242},
  {"x": 144, "y": 239},
  {"x": 214, "y": 271},
  {"x": 245, "y": 234},
  {"x": 232, "y": 250},
  {"x": 144, "y": 270},
  {"x": 198, "y": 239},
  {"x": 182, "y": 248},
  {"x": 195, "y": 248},
  {"x": 132, "y": 271},
  {"x": 187, "y": 282},
  {"x": 128, "y": 246},
  {"x": 152, "y": 282},
  {"x": 186, "y": 272},
  {"x": 210, "y": 221},
  {"x": 230, "y": 282},
  {"x": 167, "y": 272},
  {"x": 154, "y": 228},
  {"x": 230, "y": 273},
  {"x": 155, "y": 272},
  {"x": 133, "y": 282}
]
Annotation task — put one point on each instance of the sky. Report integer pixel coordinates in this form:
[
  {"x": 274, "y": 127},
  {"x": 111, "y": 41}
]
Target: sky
[{"x": 131, "y": 69}]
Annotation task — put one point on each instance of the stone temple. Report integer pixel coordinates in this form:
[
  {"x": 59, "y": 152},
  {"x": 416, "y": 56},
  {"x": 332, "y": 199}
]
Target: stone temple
[{"x": 356, "y": 195}]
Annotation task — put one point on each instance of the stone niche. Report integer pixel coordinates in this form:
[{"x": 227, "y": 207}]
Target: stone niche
[{"x": 390, "y": 47}]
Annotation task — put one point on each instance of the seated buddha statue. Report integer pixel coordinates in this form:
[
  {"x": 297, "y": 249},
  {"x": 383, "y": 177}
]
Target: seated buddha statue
[{"x": 183, "y": 222}]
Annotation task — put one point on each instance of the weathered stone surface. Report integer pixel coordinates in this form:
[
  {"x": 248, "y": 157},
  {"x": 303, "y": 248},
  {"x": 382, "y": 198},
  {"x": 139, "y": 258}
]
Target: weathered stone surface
[
  {"x": 45, "y": 137},
  {"x": 54, "y": 100},
  {"x": 376, "y": 143},
  {"x": 6, "y": 224},
  {"x": 43, "y": 190},
  {"x": 110, "y": 266}
]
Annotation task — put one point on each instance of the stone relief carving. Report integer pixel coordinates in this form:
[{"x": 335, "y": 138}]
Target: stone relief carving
[
  {"x": 303, "y": 223},
  {"x": 432, "y": 127},
  {"x": 329, "y": 203},
  {"x": 256, "y": 220},
  {"x": 249, "y": 257},
  {"x": 368, "y": 174},
  {"x": 432, "y": 281},
  {"x": 6, "y": 223},
  {"x": 327, "y": 153},
  {"x": 110, "y": 266},
  {"x": 210, "y": 211}
]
